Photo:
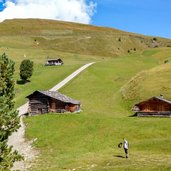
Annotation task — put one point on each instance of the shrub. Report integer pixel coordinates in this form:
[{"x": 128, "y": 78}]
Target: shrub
[
  {"x": 166, "y": 61},
  {"x": 154, "y": 39},
  {"x": 119, "y": 39},
  {"x": 26, "y": 69}
]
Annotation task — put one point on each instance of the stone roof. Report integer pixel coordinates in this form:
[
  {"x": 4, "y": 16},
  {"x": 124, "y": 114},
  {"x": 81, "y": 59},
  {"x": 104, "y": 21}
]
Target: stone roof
[{"x": 58, "y": 96}]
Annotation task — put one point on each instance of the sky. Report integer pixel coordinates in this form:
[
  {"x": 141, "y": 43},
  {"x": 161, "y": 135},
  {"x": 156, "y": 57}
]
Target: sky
[{"x": 149, "y": 17}]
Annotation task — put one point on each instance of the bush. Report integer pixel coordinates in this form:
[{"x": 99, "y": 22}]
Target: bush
[
  {"x": 119, "y": 39},
  {"x": 26, "y": 69},
  {"x": 166, "y": 61},
  {"x": 154, "y": 39}
]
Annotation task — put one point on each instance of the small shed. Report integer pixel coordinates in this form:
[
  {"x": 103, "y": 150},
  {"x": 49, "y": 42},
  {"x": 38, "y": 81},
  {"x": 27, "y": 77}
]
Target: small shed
[
  {"x": 51, "y": 62},
  {"x": 155, "y": 106},
  {"x": 41, "y": 102}
]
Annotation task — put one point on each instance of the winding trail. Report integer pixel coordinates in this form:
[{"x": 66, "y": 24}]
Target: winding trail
[{"x": 17, "y": 139}]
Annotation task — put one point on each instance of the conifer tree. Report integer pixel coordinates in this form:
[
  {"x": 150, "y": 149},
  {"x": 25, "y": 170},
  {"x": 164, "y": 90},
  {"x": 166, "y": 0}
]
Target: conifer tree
[{"x": 9, "y": 120}]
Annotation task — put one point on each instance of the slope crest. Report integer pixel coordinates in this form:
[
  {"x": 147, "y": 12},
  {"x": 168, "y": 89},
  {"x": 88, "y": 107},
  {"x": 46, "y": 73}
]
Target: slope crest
[{"x": 149, "y": 83}]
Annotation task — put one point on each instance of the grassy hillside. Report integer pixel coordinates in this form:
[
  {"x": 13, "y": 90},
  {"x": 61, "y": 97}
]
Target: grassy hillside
[
  {"x": 43, "y": 77},
  {"x": 73, "y": 38},
  {"x": 152, "y": 82},
  {"x": 88, "y": 141},
  {"x": 76, "y": 44}
]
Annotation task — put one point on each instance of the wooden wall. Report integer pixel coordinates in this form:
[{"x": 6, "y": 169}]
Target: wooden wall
[
  {"x": 40, "y": 104},
  {"x": 72, "y": 107},
  {"x": 153, "y": 106},
  {"x": 56, "y": 105}
]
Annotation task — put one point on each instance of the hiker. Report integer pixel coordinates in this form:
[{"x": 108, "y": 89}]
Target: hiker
[{"x": 125, "y": 146}]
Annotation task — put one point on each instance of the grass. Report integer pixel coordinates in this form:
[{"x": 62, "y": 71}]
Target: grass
[
  {"x": 153, "y": 82},
  {"x": 43, "y": 77},
  {"x": 82, "y": 141},
  {"x": 88, "y": 141},
  {"x": 71, "y": 38}
]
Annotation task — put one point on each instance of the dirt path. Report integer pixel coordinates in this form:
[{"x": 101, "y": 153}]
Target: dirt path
[{"x": 17, "y": 139}]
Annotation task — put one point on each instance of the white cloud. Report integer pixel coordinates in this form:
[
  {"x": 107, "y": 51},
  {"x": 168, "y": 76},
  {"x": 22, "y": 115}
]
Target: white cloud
[{"x": 68, "y": 10}]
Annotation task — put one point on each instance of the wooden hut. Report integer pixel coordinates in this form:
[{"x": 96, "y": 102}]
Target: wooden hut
[
  {"x": 155, "y": 106},
  {"x": 51, "y": 101},
  {"x": 51, "y": 62}
]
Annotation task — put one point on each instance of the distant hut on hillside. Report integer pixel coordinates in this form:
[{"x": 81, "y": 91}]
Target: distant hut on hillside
[
  {"x": 51, "y": 62},
  {"x": 155, "y": 106},
  {"x": 41, "y": 102}
]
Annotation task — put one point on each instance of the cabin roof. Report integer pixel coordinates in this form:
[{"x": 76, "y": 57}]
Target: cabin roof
[
  {"x": 152, "y": 98},
  {"x": 56, "y": 95},
  {"x": 55, "y": 60}
]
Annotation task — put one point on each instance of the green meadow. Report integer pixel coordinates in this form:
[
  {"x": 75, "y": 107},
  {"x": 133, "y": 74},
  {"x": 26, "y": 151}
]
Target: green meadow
[
  {"x": 43, "y": 77},
  {"x": 88, "y": 140},
  {"x": 126, "y": 71}
]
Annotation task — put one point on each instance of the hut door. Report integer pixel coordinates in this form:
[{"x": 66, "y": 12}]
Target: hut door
[
  {"x": 53, "y": 105},
  {"x": 40, "y": 110}
]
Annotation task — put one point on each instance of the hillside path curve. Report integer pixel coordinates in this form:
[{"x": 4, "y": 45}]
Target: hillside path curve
[{"x": 17, "y": 139}]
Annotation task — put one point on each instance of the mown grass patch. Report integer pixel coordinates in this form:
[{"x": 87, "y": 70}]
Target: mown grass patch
[{"x": 73, "y": 141}]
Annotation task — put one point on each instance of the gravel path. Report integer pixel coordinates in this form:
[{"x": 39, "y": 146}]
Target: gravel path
[{"x": 17, "y": 139}]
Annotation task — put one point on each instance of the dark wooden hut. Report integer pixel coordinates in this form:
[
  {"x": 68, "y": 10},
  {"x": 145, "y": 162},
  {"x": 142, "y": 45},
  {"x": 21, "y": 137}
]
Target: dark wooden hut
[
  {"x": 51, "y": 101},
  {"x": 155, "y": 106},
  {"x": 51, "y": 62}
]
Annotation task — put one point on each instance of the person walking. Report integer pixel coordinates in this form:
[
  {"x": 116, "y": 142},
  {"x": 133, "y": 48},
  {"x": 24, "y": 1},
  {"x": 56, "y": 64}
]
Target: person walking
[{"x": 125, "y": 146}]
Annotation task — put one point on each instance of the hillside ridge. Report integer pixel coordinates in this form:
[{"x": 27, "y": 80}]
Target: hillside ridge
[{"x": 74, "y": 38}]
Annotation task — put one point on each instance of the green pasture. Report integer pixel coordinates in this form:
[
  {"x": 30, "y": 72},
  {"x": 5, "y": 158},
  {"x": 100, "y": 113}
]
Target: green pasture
[
  {"x": 126, "y": 71},
  {"x": 88, "y": 140},
  {"x": 151, "y": 82},
  {"x": 44, "y": 77}
]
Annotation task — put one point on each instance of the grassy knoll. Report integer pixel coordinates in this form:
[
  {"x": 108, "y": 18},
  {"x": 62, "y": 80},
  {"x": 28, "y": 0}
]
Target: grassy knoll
[{"x": 88, "y": 141}]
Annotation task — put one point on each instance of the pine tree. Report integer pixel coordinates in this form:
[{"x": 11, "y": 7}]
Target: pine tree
[{"x": 9, "y": 120}]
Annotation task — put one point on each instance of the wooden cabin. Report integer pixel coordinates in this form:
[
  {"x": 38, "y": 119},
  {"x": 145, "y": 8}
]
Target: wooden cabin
[
  {"x": 41, "y": 102},
  {"x": 51, "y": 62},
  {"x": 155, "y": 106}
]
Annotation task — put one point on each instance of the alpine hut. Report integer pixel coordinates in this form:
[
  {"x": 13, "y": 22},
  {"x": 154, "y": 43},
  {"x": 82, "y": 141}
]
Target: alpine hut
[
  {"x": 41, "y": 102},
  {"x": 51, "y": 62},
  {"x": 155, "y": 106}
]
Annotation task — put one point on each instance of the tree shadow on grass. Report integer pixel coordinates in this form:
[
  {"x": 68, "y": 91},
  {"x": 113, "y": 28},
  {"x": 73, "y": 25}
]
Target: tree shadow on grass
[
  {"x": 119, "y": 156},
  {"x": 22, "y": 82}
]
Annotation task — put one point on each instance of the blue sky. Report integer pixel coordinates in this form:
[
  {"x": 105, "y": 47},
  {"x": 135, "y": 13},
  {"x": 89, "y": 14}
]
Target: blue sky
[{"x": 149, "y": 17}]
